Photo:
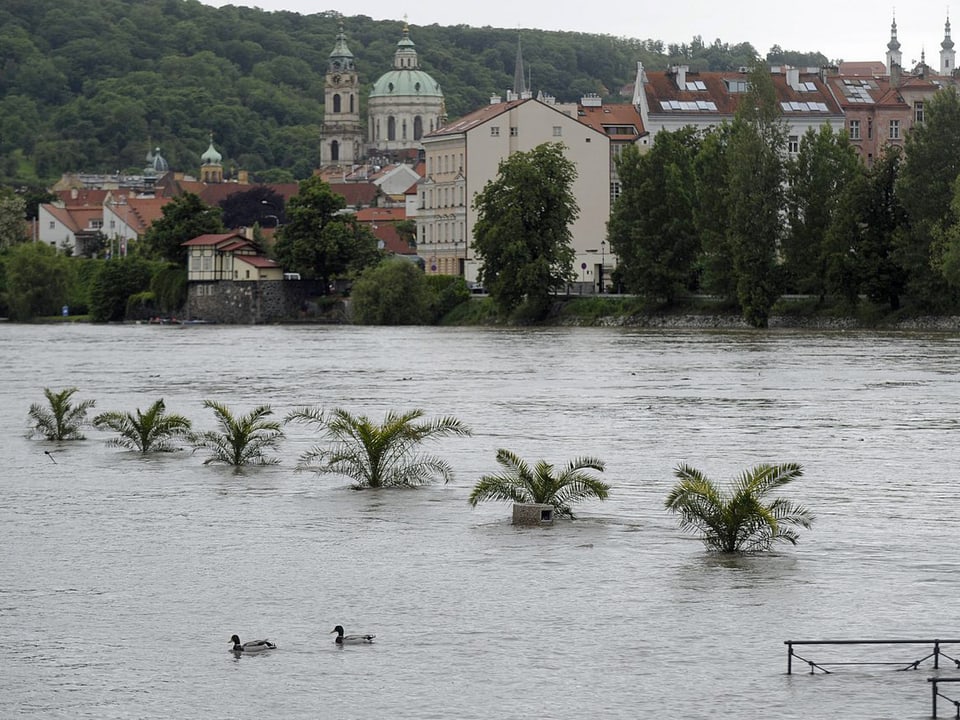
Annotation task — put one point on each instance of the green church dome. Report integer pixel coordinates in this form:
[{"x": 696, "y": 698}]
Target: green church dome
[
  {"x": 406, "y": 79},
  {"x": 402, "y": 83}
]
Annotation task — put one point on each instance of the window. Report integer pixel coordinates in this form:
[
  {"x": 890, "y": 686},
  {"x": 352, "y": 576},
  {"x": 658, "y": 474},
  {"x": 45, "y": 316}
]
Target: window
[
  {"x": 869, "y": 128},
  {"x": 614, "y": 192},
  {"x": 112, "y": 224},
  {"x": 513, "y": 131},
  {"x": 854, "y": 129},
  {"x": 894, "y": 129},
  {"x": 793, "y": 144},
  {"x": 494, "y": 131},
  {"x": 557, "y": 131},
  {"x": 918, "y": 111},
  {"x": 53, "y": 224}
]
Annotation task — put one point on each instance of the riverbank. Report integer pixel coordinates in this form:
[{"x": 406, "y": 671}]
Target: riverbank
[{"x": 701, "y": 313}]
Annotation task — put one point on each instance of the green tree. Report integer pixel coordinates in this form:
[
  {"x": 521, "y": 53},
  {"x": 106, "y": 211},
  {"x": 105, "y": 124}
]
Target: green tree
[
  {"x": 741, "y": 519},
  {"x": 60, "y": 419},
  {"x": 925, "y": 188},
  {"x": 712, "y": 214},
  {"x": 445, "y": 292},
  {"x": 755, "y": 185},
  {"x": 522, "y": 234},
  {"x": 13, "y": 227},
  {"x": 113, "y": 285},
  {"x": 184, "y": 218},
  {"x": 392, "y": 293},
  {"x": 519, "y": 483},
  {"x": 320, "y": 242},
  {"x": 242, "y": 440},
  {"x": 38, "y": 280},
  {"x": 817, "y": 176},
  {"x": 260, "y": 205},
  {"x": 652, "y": 228},
  {"x": 376, "y": 455},
  {"x": 147, "y": 432}
]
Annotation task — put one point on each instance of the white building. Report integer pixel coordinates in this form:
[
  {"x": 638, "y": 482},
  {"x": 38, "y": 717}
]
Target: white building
[{"x": 462, "y": 157}]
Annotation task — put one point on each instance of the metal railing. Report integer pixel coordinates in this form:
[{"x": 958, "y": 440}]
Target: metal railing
[
  {"x": 913, "y": 665},
  {"x": 934, "y": 685}
]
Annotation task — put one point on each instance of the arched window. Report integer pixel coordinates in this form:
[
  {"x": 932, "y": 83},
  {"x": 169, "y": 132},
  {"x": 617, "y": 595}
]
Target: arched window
[
  {"x": 391, "y": 128},
  {"x": 336, "y": 103},
  {"x": 403, "y": 127},
  {"x": 351, "y": 103},
  {"x": 334, "y": 151},
  {"x": 417, "y": 127}
]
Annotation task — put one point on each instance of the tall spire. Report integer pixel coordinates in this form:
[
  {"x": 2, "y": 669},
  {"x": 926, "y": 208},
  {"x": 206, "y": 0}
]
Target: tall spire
[
  {"x": 519, "y": 79},
  {"x": 340, "y": 57},
  {"x": 894, "y": 56},
  {"x": 894, "y": 44},
  {"x": 948, "y": 56}
]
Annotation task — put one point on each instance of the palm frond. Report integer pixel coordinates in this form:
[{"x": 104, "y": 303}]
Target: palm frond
[
  {"x": 518, "y": 483},
  {"x": 739, "y": 520}
]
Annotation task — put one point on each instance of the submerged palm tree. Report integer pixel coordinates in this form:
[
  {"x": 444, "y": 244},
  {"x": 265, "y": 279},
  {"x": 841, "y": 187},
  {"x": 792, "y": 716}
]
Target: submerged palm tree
[
  {"x": 241, "y": 440},
  {"x": 146, "y": 432},
  {"x": 60, "y": 419},
  {"x": 739, "y": 520},
  {"x": 521, "y": 484},
  {"x": 378, "y": 455}
]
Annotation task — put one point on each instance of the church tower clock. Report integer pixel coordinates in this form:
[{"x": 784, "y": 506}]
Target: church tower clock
[{"x": 341, "y": 137}]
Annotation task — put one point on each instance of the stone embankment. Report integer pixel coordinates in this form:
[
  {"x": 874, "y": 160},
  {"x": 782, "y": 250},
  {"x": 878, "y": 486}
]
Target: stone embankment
[{"x": 735, "y": 322}]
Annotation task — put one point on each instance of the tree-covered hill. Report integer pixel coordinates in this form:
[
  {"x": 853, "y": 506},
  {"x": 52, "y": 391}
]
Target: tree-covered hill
[{"x": 93, "y": 85}]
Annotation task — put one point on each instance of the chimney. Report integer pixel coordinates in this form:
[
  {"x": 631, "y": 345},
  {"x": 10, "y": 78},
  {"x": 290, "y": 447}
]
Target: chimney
[
  {"x": 681, "y": 72},
  {"x": 793, "y": 77}
]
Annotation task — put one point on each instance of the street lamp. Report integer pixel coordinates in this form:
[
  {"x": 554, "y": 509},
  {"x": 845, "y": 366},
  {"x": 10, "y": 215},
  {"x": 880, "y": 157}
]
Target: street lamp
[
  {"x": 603, "y": 250},
  {"x": 271, "y": 206}
]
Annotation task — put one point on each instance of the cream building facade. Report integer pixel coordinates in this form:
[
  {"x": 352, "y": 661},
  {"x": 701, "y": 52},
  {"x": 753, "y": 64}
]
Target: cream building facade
[{"x": 462, "y": 157}]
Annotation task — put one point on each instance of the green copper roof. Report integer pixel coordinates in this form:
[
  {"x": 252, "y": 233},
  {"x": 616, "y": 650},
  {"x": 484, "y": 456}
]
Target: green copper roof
[{"x": 404, "y": 83}]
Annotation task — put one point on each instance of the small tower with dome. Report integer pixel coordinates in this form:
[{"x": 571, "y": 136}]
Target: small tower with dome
[
  {"x": 948, "y": 56},
  {"x": 211, "y": 165},
  {"x": 894, "y": 56},
  {"x": 405, "y": 103},
  {"x": 341, "y": 137}
]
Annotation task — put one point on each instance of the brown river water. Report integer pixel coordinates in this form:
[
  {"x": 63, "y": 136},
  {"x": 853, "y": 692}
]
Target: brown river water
[{"x": 122, "y": 578}]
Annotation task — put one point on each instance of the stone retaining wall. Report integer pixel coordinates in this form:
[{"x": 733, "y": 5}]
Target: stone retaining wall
[{"x": 254, "y": 303}]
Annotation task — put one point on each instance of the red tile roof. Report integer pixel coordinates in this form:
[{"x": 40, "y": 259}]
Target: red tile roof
[
  {"x": 612, "y": 120},
  {"x": 709, "y": 94},
  {"x": 477, "y": 117},
  {"x": 356, "y": 194},
  {"x": 377, "y": 214},
  {"x": 80, "y": 197},
  {"x": 258, "y": 261},
  {"x": 213, "y": 239}
]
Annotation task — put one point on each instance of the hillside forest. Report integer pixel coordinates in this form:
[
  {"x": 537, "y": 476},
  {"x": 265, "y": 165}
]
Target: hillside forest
[{"x": 93, "y": 86}]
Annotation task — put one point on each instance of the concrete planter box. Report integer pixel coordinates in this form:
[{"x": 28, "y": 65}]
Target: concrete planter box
[{"x": 532, "y": 514}]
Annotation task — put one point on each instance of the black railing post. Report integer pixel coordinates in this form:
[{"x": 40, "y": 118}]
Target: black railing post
[
  {"x": 936, "y": 654},
  {"x": 933, "y": 684},
  {"x": 789, "y": 657}
]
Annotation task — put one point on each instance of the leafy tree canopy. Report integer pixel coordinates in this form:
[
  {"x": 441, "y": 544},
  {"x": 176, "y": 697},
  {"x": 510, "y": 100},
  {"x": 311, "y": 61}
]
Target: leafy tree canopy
[
  {"x": 522, "y": 235},
  {"x": 318, "y": 240},
  {"x": 184, "y": 218}
]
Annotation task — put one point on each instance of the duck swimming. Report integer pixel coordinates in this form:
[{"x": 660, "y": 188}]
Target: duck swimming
[
  {"x": 252, "y": 646},
  {"x": 350, "y": 639}
]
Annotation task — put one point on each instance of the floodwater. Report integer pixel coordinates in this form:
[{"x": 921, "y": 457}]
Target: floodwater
[{"x": 122, "y": 578}]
